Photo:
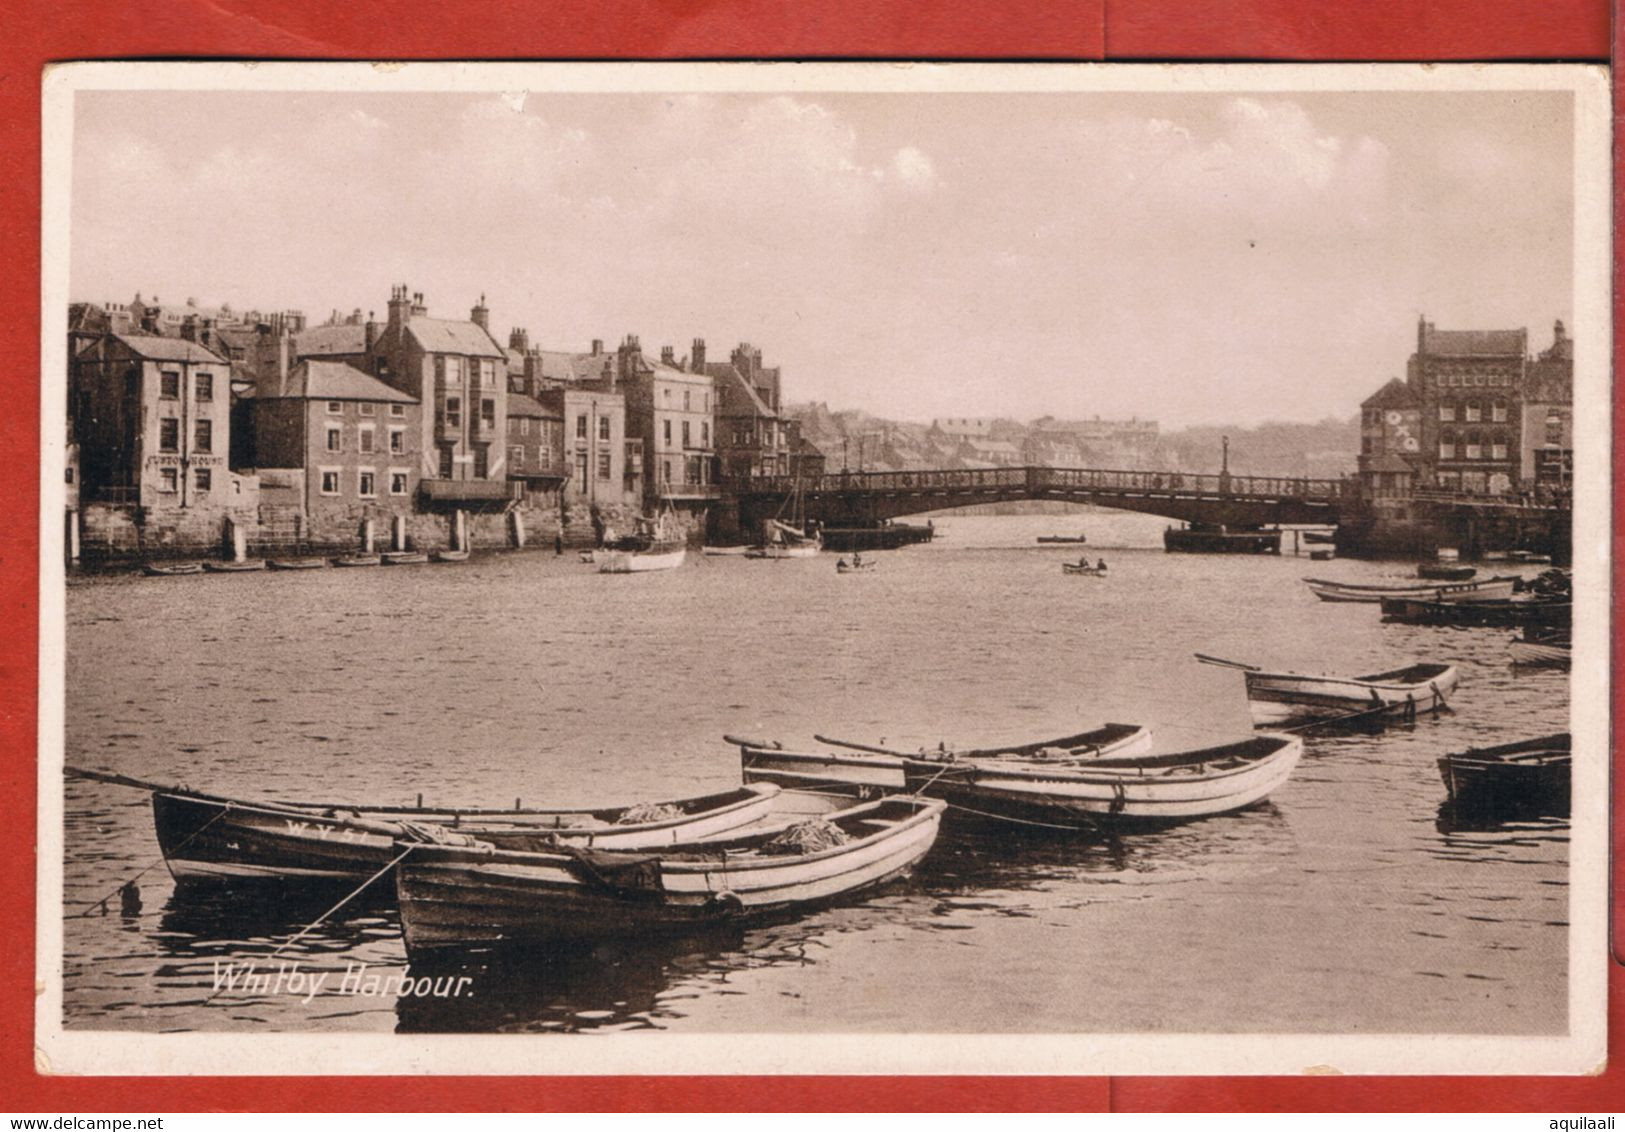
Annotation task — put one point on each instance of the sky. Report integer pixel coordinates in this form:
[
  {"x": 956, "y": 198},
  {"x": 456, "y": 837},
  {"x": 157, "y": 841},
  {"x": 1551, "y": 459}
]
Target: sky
[{"x": 1192, "y": 258}]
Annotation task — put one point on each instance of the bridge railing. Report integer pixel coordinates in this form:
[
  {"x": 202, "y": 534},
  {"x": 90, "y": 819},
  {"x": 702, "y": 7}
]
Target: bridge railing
[
  {"x": 1036, "y": 478},
  {"x": 1509, "y": 499}
]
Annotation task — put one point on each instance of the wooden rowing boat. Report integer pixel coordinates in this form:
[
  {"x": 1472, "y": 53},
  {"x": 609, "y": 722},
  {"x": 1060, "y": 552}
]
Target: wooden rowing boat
[
  {"x": 845, "y": 567},
  {"x": 1079, "y": 568},
  {"x": 482, "y": 897},
  {"x": 404, "y": 557},
  {"x": 174, "y": 570},
  {"x": 1278, "y": 698},
  {"x": 1497, "y": 611},
  {"x": 867, "y": 766},
  {"x": 660, "y": 556},
  {"x": 296, "y": 564},
  {"x": 1533, "y": 773},
  {"x": 356, "y": 560},
  {"x": 1155, "y": 789},
  {"x": 247, "y": 566},
  {"x": 1478, "y": 590},
  {"x": 450, "y": 556},
  {"x": 1048, "y": 540},
  {"x": 1542, "y": 647},
  {"x": 205, "y": 835}
]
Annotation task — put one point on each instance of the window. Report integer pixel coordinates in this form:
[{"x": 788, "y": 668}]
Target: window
[
  {"x": 335, "y": 439},
  {"x": 204, "y": 385},
  {"x": 397, "y": 441},
  {"x": 665, "y": 430},
  {"x": 365, "y": 437},
  {"x": 203, "y": 478},
  {"x": 330, "y": 481},
  {"x": 1447, "y": 446},
  {"x": 453, "y": 369},
  {"x": 397, "y": 410},
  {"x": 603, "y": 465},
  {"x": 1498, "y": 450},
  {"x": 169, "y": 435},
  {"x": 367, "y": 409},
  {"x": 665, "y": 471},
  {"x": 167, "y": 480},
  {"x": 397, "y": 482},
  {"x": 169, "y": 386},
  {"x": 581, "y": 426},
  {"x": 516, "y": 458},
  {"x": 1447, "y": 412},
  {"x": 488, "y": 413},
  {"x": 1474, "y": 449},
  {"x": 454, "y": 412},
  {"x": 685, "y": 434},
  {"x": 685, "y": 401},
  {"x": 366, "y": 483},
  {"x": 1474, "y": 412},
  {"x": 446, "y": 461},
  {"x": 581, "y": 471},
  {"x": 482, "y": 461},
  {"x": 335, "y": 408},
  {"x": 524, "y": 426},
  {"x": 203, "y": 436},
  {"x": 1498, "y": 412},
  {"x": 1365, "y": 445},
  {"x": 705, "y": 434},
  {"x": 603, "y": 428}
]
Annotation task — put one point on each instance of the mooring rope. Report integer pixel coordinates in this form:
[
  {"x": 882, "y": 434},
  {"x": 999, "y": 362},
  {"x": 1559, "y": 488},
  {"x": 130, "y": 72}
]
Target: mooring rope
[{"x": 162, "y": 856}]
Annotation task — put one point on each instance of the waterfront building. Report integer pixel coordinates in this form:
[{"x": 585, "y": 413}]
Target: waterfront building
[
  {"x": 332, "y": 445},
  {"x": 672, "y": 412},
  {"x": 1390, "y": 440},
  {"x": 1470, "y": 385},
  {"x": 535, "y": 443},
  {"x": 753, "y": 438},
  {"x": 1546, "y": 441},
  {"x": 458, "y": 374}
]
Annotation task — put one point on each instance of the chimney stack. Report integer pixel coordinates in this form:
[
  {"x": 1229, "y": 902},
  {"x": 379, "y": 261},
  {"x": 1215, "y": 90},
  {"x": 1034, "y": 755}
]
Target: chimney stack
[
  {"x": 481, "y": 314},
  {"x": 369, "y": 336},
  {"x": 400, "y": 307},
  {"x": 189, "y": 328},
  {"x": 668, "y": 356},
  {"x": 697, "y": 358},
  {"x": 282, "y": 343},
  {"x": 519, "y": 339},
  {"x": 418, "y": 308},
  {"x": 597, "y": 346}
]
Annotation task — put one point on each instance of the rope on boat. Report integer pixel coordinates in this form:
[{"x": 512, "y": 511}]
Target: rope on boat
[
  {"x": 399, "y": 857},
  {"x": 162, "y": 856},
  {"x": 1011, "y": 820}
]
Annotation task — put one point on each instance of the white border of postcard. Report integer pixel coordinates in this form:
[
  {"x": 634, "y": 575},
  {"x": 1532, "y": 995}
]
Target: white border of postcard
[{"x": 1582, "y": 1050}]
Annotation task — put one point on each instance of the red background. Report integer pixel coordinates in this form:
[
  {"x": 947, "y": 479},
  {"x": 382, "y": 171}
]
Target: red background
[{"x": 37, "y": 33}]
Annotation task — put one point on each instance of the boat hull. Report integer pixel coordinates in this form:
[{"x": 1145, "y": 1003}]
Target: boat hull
[
  {"x": 220, "y": 838},
  {"x": 1531, "y": 775},
  {"x": 881, "y": 772},
  {"x": 1540, "y": 654},
  {"x": 1277, "y": 698},
  {"x": 1485, "y": 590},
  {"x": 1147, "y": 794},
  {"x": 457, "y": 898},
  {"x": 296, "y": 564},
  {"x": 1502, "y": 612},
  {"x": 626, "y": 562}
]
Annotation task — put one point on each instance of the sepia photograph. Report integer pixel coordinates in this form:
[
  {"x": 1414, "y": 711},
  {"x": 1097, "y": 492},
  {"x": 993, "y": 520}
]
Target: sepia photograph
[{"x": 824, "y": 568}]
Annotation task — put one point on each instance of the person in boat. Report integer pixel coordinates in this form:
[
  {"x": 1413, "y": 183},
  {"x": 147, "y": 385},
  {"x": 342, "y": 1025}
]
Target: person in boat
[
  {"x": 1100, "y": 567},
  {"x": 841, "y": 564},
  {"x": 857, "y": 558},
  {"x": 1083, "y": 563}
]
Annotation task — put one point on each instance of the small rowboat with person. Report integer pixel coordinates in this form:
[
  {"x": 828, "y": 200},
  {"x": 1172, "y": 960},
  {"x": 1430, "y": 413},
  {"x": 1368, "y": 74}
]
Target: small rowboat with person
[
  {"x": 1481, "y": 589},
  {"x": 209, "y": 836},
  {"x": 1082, "y": 567},
  {"x": 878, "y": 767},
  {"x": 1278, "y": 698},
  {"x": 482, "y": 897},
  {"x": 1531, "y": 774}
]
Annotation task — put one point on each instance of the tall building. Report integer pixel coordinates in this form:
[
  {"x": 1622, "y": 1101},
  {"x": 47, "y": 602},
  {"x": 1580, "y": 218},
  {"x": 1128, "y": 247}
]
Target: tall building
[
  {"x": 672, "y": 411},
  {"x": 1470, "y": 385}
]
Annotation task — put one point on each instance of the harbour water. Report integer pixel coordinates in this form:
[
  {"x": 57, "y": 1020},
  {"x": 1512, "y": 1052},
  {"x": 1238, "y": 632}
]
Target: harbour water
[{"x": 1350, "y": 903}]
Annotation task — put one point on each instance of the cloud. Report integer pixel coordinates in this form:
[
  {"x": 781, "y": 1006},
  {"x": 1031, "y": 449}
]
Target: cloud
[{"x": 914, "y": 169}]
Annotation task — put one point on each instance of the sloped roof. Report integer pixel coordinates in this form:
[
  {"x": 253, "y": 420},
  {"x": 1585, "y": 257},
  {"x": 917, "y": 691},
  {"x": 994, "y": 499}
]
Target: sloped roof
[
  {"x": 522, "y": 405},
  {"x": 562, "y": 365},
  {"x": 316, "y": 380},
  {"x": 320, "y": 341},
  {"x": 444, "y": 336},
  {"x": 1474, "y": 343},
  {"x": 1395, "y": 395},
  {"x": 161, "y": 349}
]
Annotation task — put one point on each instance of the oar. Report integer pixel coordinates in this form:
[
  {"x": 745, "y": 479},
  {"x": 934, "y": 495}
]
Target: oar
[
  {"x": 1222, "y": 663},
  {"x": 873, "y": 750},
  {"x": 758, "y": 744},
  {"x": 118, "y": 779}
]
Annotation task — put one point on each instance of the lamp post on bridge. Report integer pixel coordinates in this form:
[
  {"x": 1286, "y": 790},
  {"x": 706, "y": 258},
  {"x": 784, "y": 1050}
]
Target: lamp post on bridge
[{"x": 1224, "y": 467}]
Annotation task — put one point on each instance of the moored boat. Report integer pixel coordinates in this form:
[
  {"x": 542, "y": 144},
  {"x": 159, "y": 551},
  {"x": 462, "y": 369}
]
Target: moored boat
[
  {"x": 296, "y": 564},
  {"x": 1322, "y": 555},
  {"x": 658, "y": 556},
  {"x": 1084, "y": 568},
  {"x": 483, "y": 897},
  {"x": 1540, "y": 647},
  {"x": 1319, "y": 538},
  {"x": 403, "y": 557},
  {"x": 1154, "y": 789},
  {"x": 450, "y": 556},
  {"x": 1445, "y": 571},
  {"x": 867, "y": 765},
  {"x": 245, "y": 566},
  {"x": 1498, "y": 611},
  {"x": 205, "y": 835},
  {"x": 1050, "y": 539},
  {"x": 855, "y": 567},
  {"x": 1532, "y": 774},
  {"x": 1481, "y": 589},
  {"x": 1277, "y": 698},
  {"x": 173, "y": 570},
  {"x": 724, "y": 551},
  {"x": 354, "y": 560}
]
